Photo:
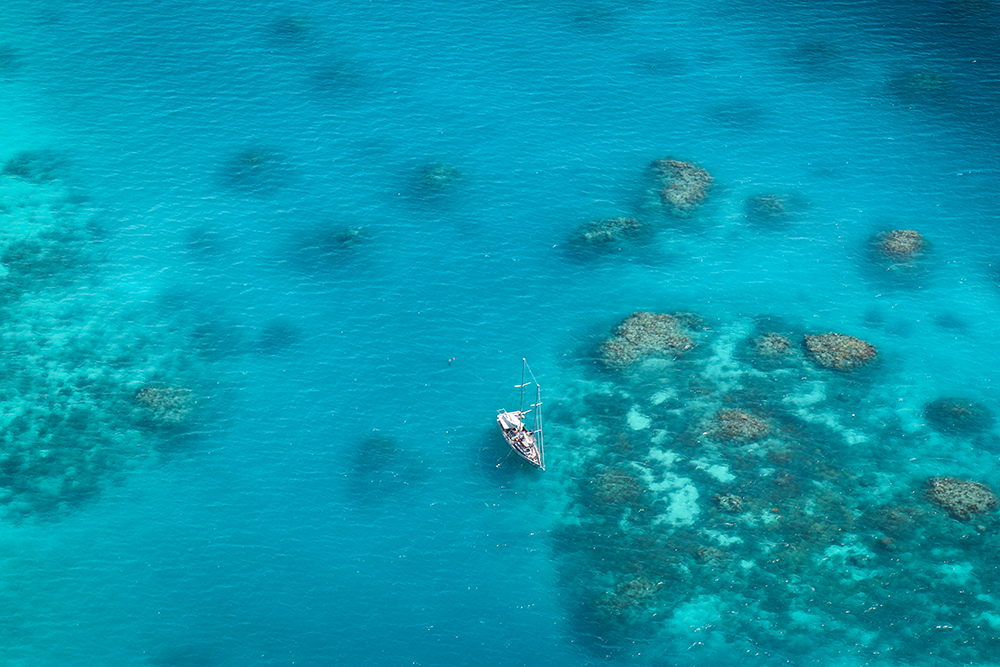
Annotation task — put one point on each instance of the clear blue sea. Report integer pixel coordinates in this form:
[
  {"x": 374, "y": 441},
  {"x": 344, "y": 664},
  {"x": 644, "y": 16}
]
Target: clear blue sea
[{"x": 251, "y": 354}]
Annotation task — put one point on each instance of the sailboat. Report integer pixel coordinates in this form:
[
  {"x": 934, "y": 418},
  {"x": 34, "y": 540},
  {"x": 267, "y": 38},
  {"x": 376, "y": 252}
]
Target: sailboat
[{"x": 528, "y": 443}]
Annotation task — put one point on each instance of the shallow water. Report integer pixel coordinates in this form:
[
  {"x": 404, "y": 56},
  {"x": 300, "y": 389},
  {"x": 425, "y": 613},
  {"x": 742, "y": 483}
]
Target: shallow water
[{"x": 225, "y": 206}]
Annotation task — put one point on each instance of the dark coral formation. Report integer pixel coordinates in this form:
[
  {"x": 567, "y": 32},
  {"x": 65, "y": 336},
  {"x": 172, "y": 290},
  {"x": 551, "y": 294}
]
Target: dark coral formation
[
  {"x": 10, "y": 61},
  {"x": 628, "y": 599},
  {"x": 958, "y": 416},
  {"x": 614, "y": 488},
  {"x": 37, "y": 166},
  {"x": 643, "y": 335},
  {"x": 772, "y": 209},
  {"x": 961, "y": 498},
  {"x": 840, "y": 351},
  {"x": 293, "y": 28},
  {"x": 807, "y": 509},
  {"x": 729, "y": 502},
  {"x": 166, "y": 405},
  {"x": 900, "y": 244},
  {"x": 329, "y": 246},
  {"x": 682, "y": 186},
  {"x": 921, "y": 84},
  {"x": 772, "y": 346},
  {"x": 765, "y": 207},
  {"x": 438, "y": 177},
  {"x": 738, "y": 426},
  {"x": 255, "y": 171},
  {"x": 75, "y": 416},
  {"x": 611, "y": 232}
]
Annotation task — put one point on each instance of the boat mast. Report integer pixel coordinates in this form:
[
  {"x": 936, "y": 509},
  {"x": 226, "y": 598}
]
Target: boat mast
[
  {"x": 538, "y": 423},
  {"x": 537, "y": 430},
  {"x": 524, "y": 363}
]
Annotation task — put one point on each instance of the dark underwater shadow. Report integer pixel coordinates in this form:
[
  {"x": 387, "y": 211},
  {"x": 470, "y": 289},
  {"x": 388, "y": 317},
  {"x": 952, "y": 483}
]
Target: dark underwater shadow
[
  {"x": 380, "y": 470},
  {"x": 329, "y": 246},
  {"x": 338, "y": 79},
  {"x": 10, "y": 61},
  {"x": 822, "y": 61},
  {"x": 493, "y": 459},
  {"x": 740, "y": 114},
  {"x": 617, "y": 239},
  {"x": 206, "y": 324},
  {"x": 434, "y": 187},
  {"x": 277, "y": 335},
  {"x": 39, "y": 166},
  {"x": 887, "y": 320},
  {"x": 596, "y": 17},
  {"x": 774, "y": 211},
  {"x": 293, "y": 30},
  {"x": 255, "y": 172}
]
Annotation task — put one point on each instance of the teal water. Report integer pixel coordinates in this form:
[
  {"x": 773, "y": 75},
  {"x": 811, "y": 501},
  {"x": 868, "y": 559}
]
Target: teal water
[{"x": 251, "y": 357}]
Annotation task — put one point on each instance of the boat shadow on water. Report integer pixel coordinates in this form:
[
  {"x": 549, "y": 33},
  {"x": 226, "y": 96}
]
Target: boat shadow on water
[{"x": 496, "y": 462}]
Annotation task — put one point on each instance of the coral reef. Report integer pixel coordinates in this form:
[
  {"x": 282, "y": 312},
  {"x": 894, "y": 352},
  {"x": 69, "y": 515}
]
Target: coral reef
[
  {"x": 729, "y": 502},
  {"x": 900, "y": 244},
  {"x": 670, "y": 526},
  {"x": 958, "y": 416},
  {"x": 614, "y": 488},
  {"x": 611, "y": 232},
  {"x": 682, "y": 186},
  {"x": 83, "y": 397},
  {"x": 767, "y": 207},
  {"x": 738, "y": 426},
  {"x": 840, "y": 351},
  {"x": 166, "y": 405},
  {"x": 328, "y": 246},
  {"x": 438, "y": 177},
  {"x": 961, "y": 498},
  {"x": 643, "y": 335},
  {"x": 772, "y": 346},
  {"x": 773, "y": 210},
  {"x": 628, "y": 602},
  {"x": 37, "y": 166}
]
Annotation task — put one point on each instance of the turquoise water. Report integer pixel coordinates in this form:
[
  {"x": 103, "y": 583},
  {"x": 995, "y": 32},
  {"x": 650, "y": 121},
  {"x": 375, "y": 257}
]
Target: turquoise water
[{"x": 252, "y": 358}]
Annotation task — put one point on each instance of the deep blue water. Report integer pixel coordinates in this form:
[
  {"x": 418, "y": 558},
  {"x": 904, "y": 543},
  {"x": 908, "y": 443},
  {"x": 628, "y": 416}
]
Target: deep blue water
[{"x": 339, "y": 494}]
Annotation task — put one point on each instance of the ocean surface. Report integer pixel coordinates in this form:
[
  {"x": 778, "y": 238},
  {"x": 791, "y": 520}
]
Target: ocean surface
[{"x": 268, "y": 270}]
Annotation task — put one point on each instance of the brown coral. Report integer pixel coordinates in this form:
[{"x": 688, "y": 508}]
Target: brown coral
[
  {"x": 166, "y": 405},
  {"x": 900, "y": 244},
  {"x": 642, "y": 335},
  {"x": 840, "y": 351},
  {"x": 961, "y": 498},
  {"x": 771, "y": 346},
  {"x": 738, "y": 426},
  {"x": 682, "y": 185},
  {"x": 611, "y": 231}
]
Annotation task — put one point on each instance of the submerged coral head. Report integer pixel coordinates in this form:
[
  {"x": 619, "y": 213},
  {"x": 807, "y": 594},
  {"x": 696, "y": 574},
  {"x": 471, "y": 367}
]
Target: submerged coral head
[
  {"x": 643, "y": 335},
  {"x": 840, "y": 351},
  {"x": 900, "y": 244},
  {"x": 682, "y": 186},
  {"x": 961, "y": 498},
  {"x": 958, "y": 416}
]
